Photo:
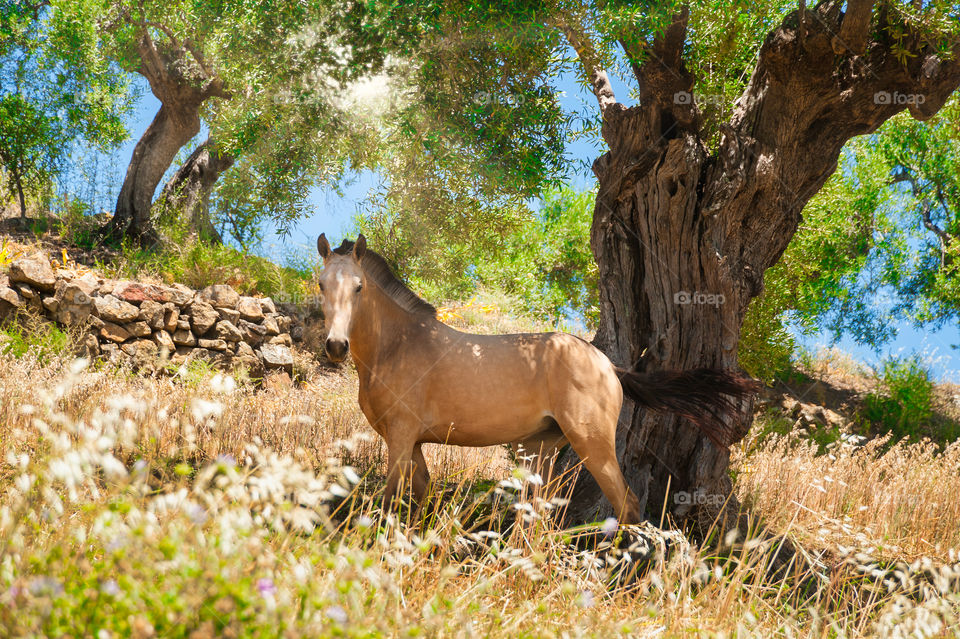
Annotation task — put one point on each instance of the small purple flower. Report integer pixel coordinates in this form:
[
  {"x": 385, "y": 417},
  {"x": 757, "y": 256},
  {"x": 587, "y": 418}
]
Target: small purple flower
[
  {"x": 226, "y": 460},
  {"x": 586, "y": 599},
  {"x": 110, "y": 587},
  {"x": 266, "y": 588},
  {"x": 609, "y": 527},
  {"x": 337, "y": 614}
]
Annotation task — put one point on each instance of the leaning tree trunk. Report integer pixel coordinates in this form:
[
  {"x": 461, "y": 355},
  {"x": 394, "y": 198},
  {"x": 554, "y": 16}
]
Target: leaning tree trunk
[
  {"x": 182, "y": 83},
  {"x": 188, "y": 191},
  {"x": 682, "y": 236}
]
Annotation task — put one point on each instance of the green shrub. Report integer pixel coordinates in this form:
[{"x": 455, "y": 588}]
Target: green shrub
[
  {"x": 198, "y": 264},
  {"x": 903, "y": 404},
  {"x": 28, "y": 334}
]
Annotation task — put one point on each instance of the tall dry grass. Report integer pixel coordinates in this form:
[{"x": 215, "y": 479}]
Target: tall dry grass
[{"x": 195, "y": 507}]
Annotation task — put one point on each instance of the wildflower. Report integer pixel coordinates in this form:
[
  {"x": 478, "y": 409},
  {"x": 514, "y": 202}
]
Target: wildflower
[
  {"x": 609, "y": 527},
  {"x": 110, "y": 587},
  {"x": 223, "y": 384},
  {"x": 586, "y": 599},
  {"x": 266, "y": 587},
  {"x": 337, "y": 614},
  {"x": 364, "y": 523}
]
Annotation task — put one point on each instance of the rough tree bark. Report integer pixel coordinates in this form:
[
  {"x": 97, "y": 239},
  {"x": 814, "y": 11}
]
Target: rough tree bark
[
  {"x": 190, "y": 187},
  {"x": 181, "y": 80},
  {"x": 683, "y": 236}
]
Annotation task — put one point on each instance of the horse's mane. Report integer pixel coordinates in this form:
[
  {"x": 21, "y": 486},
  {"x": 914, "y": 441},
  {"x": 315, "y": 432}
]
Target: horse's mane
[{"x": 377, "y": 269}]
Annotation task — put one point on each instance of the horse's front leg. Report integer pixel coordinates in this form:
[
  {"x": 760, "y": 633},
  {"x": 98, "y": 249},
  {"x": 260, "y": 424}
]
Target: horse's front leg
[{"x": 403, "y": 453}]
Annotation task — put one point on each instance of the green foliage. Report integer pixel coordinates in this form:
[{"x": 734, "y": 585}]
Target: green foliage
[
  {"x": 903, "y": 405},
  {"x": 56, "y": 89},
  {"x": 26, "y": 334},
  {"x": 541, "y": 258},
  {"x": 198, "y": 265},
  {"x": 879, "y": 243}
]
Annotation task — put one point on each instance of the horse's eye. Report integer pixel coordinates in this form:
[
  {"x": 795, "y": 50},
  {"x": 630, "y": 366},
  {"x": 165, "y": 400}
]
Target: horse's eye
[
  {"x": 359, "y": 288},
  {"x": 320, "y": 285}
]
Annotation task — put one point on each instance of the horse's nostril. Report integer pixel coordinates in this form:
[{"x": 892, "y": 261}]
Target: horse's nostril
[{"x": 336, "y": 348}]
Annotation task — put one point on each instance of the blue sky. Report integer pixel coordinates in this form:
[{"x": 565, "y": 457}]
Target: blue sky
[{"x": 333, "y": 214}]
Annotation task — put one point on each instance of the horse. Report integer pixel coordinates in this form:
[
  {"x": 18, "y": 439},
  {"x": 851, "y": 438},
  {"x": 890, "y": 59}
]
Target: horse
[{"x": 422, "y": 381}]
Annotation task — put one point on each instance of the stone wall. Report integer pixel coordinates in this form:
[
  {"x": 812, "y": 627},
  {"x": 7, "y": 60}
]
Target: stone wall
[{"x": 148, "y": 325}]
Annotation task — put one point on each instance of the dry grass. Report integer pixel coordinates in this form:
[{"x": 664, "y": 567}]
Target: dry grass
[{"x": 183, "y": 541}]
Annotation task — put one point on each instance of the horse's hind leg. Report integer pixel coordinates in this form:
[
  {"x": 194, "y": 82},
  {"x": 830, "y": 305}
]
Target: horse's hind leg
[
  {"x": 600, "y": 458},
  {"x": 592, "y": 435}
]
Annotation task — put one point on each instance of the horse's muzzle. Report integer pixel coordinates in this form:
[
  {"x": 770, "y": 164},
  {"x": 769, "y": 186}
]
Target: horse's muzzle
[{"x": 337, "y": 349}]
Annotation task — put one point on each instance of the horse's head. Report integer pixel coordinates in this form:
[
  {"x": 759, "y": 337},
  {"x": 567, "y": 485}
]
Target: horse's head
[{"x": 341, "y": 282}]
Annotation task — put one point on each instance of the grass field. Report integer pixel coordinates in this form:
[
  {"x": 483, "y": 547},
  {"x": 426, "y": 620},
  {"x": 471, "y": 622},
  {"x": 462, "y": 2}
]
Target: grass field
[{"x": 194, "y": 506}]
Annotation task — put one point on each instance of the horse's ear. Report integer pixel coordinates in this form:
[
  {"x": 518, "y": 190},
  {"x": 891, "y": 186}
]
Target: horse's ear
[
  {"x": 323, "y": 246},
  {"x": 360, "y": 247}
]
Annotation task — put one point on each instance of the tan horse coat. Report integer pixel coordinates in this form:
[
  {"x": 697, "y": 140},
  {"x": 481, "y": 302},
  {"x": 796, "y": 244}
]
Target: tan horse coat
[{"x": 422, "y": 381}]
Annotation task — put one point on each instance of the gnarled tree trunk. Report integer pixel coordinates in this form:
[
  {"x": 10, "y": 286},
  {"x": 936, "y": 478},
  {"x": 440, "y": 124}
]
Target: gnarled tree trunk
[
  {"x": 188, "y": 191},
  {"x": 683, "y": 236},
  {"x": 182, "y": 82}
]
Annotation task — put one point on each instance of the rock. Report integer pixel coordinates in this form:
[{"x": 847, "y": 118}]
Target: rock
[
  {"x": 177, "y": 294},
  {"x": 221, "y": 295},
  {"x": 164, "y": 341},
  {"x": 33, "y": 270},
  {"x": 245, "y": 350},
  {"x": 276, "y": 356},
  {"x": 139, "y": 329},
  {"x": 136, "y": 292},
  {"x": 114, "y": 332},
  {"x": 25, "y": 291},
  {"x": 89, "y": 346},
  {"x": 267, "y": 305},
  {"x": 277, "y": 380},
  {"x": 74, "y": 301},
  {"x": 227, "y": 331},
  {"x": 212, "y": 344},
  {"x": 202, "y": 317},
  {"x": 250, "y": 309},
  {"x": 142, "y": 351},
  {"x": 283, "y": 338},
  {"x": 112, "y": 309},
  {"x": 252, "y": 333},
  {"x": 229, "y": 314},
  {"x": 183, "y": 323},
  {"x": 151, "y": 312},
  {"x": 252, "y": 364},
  {"x": 51, "y": 304},
  {"x": 283, "y": 323},
  {"x": 171, "y": 313},
  {"x": 270, "y": 325},
  {"x": 183, "y": 337},
  {"x": 9, "y": 301},
  {"x": 112, "y": 353},
  {"x": 95, "y": 323}
]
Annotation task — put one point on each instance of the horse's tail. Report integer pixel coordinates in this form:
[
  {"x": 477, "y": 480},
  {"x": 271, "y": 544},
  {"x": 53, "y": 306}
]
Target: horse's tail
[{"x": 709, "y": 397}]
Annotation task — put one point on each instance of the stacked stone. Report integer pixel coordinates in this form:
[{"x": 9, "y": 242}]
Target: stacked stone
[{"x": 147, "y": 324}]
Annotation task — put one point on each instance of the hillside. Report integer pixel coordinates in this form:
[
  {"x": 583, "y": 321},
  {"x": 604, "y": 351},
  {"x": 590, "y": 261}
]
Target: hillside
[{"x": 189, "y": 501}]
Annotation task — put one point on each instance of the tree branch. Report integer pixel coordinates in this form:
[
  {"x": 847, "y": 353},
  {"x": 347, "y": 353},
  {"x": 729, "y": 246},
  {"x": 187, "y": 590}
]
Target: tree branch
[
  {"x": 791, "y": 122},
  {"x": 594, "y": 71},
  {"x": 855, "y": 29},
  {"x": 662, "y": 76}
]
